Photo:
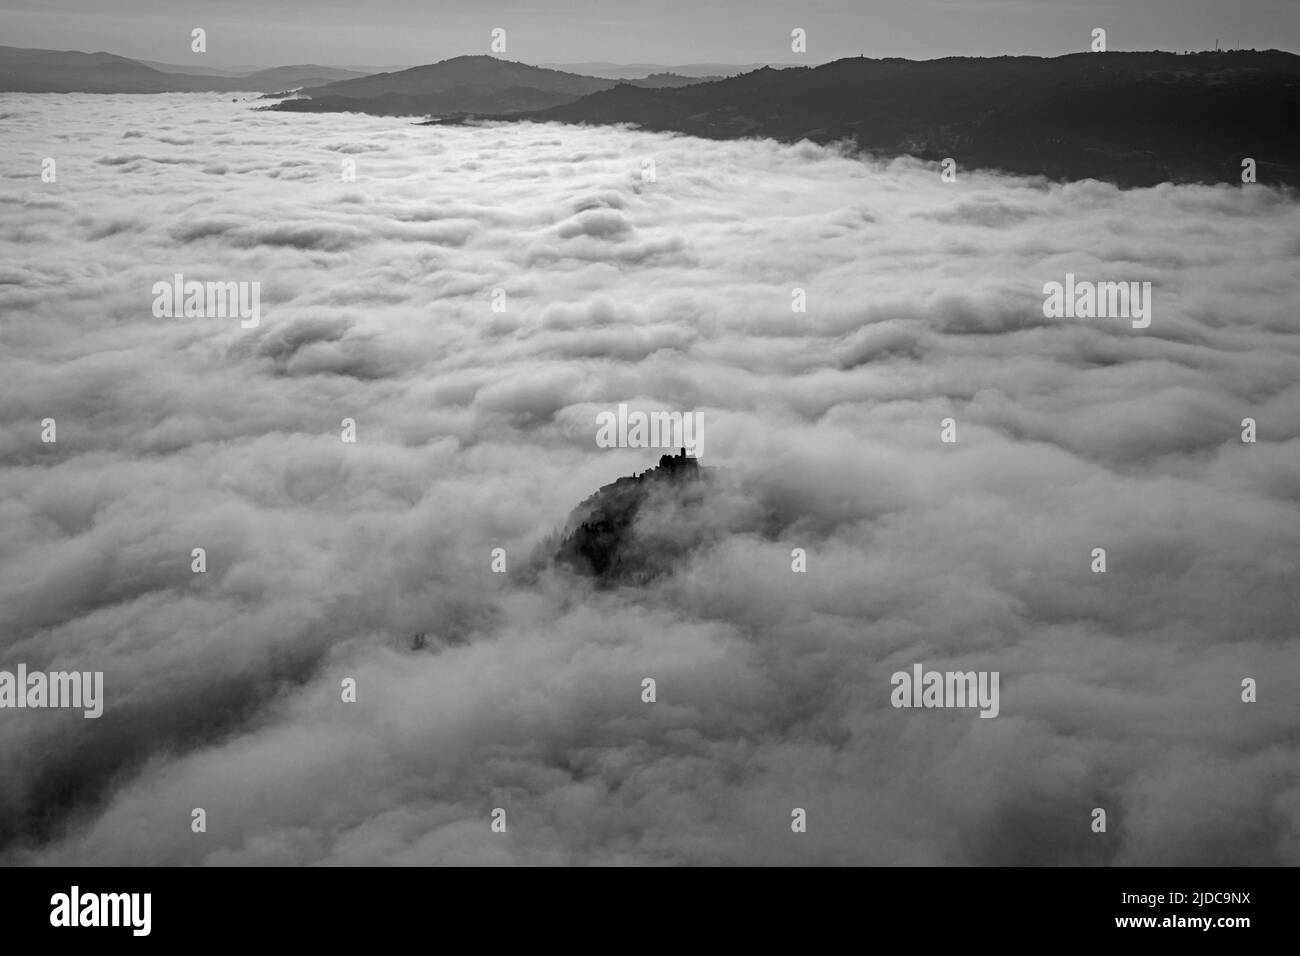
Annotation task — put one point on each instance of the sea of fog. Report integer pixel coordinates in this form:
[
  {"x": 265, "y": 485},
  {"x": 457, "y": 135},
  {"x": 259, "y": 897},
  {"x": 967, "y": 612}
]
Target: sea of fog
[{"x": 471, "y": 301}]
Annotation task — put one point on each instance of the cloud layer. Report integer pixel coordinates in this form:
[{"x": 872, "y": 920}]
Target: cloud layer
[{"x": 476, "y": 430}]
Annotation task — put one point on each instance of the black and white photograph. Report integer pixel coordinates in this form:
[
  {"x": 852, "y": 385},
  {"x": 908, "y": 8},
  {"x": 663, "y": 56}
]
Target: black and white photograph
[{"x": 853, "y": 434}]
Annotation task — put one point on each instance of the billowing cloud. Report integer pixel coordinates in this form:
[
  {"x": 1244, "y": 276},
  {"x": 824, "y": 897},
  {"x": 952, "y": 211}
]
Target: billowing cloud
[{"x": 476, "y": 430}]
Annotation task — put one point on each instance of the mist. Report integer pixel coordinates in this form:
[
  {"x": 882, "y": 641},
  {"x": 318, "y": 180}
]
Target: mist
[{"x": 476, "y": 429}]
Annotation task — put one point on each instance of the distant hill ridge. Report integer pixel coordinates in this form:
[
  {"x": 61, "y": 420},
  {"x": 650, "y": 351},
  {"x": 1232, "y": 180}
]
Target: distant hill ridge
[
  {"x": 1135, "y": 119},
  {"x": 462, "y": 84},
  {"x": 474, "y": 83},
  {"x": 70, "y": 71}
]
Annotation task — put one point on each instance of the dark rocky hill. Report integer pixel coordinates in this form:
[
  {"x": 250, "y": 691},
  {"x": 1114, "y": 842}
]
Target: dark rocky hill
[{"x": 639, "y": 527}]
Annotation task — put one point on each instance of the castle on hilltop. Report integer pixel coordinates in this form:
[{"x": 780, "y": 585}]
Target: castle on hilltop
[
  {"x": 670, "y": 466},
  {"x": 678, "y": 462}
]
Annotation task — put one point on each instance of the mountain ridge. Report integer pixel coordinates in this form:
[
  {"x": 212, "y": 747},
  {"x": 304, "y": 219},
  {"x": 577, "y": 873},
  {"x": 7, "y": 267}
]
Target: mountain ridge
[
  {"x": 462, "y": 84},
  {"x": 31, "y": 70},
  {"x": 1136, "y": 119}
]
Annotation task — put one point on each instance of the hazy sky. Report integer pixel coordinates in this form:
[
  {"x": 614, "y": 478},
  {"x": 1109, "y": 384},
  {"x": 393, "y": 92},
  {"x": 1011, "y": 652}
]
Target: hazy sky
[{"x": 381, "y": 32}]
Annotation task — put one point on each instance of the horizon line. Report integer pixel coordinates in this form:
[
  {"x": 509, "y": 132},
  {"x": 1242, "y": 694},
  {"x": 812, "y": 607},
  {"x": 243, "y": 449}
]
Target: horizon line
[{"x": 752, "y": 64}]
